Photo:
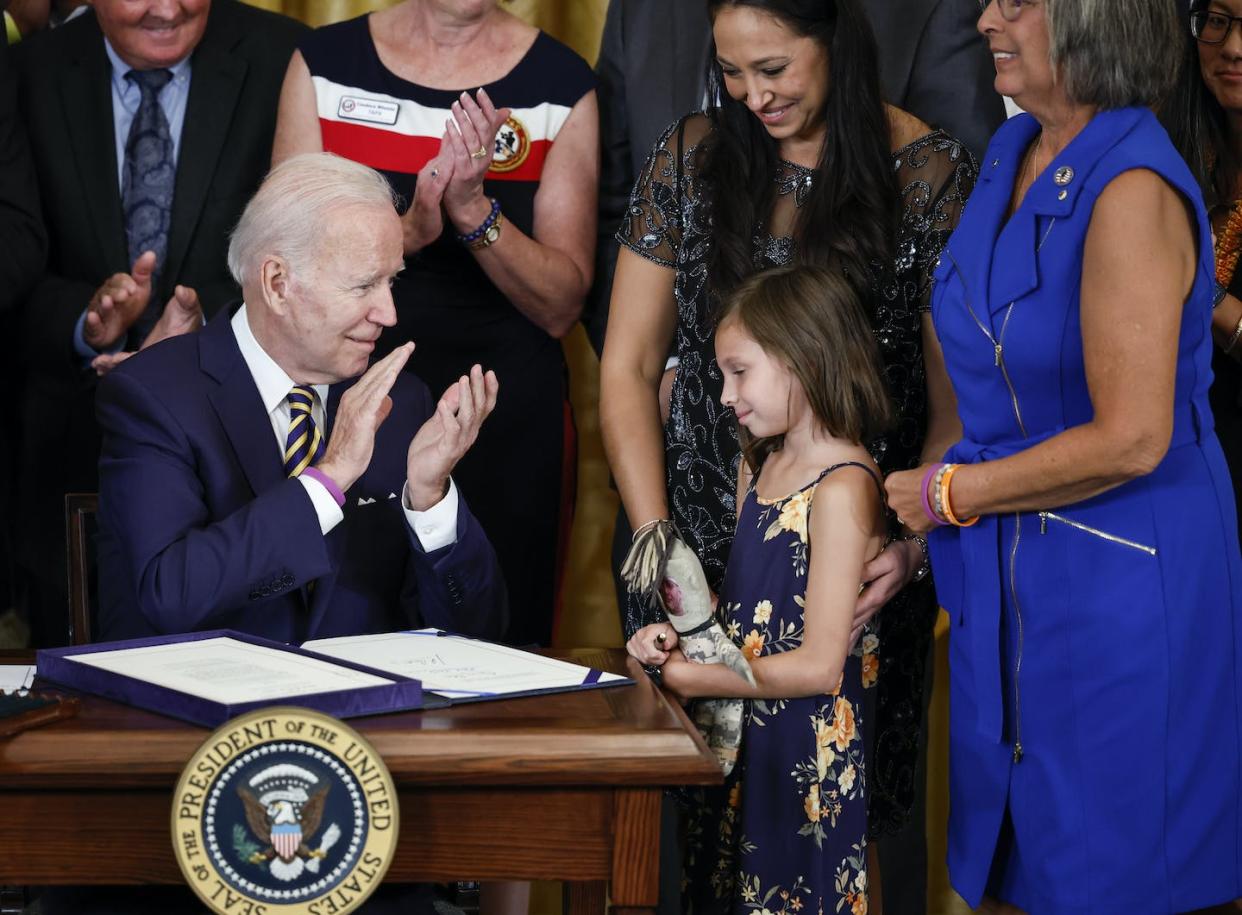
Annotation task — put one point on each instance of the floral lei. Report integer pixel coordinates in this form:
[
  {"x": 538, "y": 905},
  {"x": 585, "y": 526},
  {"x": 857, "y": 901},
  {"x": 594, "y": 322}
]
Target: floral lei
[{"x": 1229, "y": 245}]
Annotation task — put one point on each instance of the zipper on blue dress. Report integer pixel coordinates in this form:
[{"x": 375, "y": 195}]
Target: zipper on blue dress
[
  {"x": 998, "y": 348},
  {"x": 1045, "y": 517}
]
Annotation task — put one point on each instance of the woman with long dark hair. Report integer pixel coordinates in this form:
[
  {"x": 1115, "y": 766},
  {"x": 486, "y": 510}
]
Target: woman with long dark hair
[
  {"x": 801, "y": 162},
  {"x": 1204, "y": 120}
]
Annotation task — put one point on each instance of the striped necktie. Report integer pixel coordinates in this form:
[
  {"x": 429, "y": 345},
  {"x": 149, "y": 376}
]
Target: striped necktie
[{"x": 305, "y": 444}]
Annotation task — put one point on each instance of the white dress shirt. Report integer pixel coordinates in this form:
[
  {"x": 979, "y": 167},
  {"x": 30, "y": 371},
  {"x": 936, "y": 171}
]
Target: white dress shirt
[{"x": 435, "y": 528}]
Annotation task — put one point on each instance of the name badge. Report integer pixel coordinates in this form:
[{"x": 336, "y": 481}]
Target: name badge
[{"x": 375, "y": 111}]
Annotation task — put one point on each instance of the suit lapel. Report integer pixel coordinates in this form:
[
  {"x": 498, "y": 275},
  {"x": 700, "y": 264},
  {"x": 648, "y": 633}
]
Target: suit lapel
[
  {"x": 86, "y": 93},
  {"x": 216, "y": 81},
  {"x": 238, "y": 405}
]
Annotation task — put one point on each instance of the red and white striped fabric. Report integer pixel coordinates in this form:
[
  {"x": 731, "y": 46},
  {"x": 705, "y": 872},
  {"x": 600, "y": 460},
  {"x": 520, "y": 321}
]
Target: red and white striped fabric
[{"x": 400, "y": 135}]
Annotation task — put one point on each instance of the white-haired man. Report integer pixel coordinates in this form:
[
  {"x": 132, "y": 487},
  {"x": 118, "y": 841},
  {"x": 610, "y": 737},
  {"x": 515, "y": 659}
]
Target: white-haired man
[{"x": 251, "y": 480}]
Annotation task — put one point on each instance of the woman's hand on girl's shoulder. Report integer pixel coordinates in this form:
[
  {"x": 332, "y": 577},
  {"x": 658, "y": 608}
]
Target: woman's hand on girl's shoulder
[{"x": 653, "y": 644}]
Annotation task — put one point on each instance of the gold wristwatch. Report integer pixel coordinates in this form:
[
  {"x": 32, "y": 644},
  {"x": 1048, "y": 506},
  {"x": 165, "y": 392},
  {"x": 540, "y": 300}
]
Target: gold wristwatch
[{"x": 490, "y": 235}]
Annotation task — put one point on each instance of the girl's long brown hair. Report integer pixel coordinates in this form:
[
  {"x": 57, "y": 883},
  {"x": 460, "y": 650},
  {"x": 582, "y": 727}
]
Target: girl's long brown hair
[{"x": 814, "y": 321}]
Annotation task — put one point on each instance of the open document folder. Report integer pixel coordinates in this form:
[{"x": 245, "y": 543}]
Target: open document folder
[
  {"x": 463, "y": 669},
  {"x": 210, "y": 677}
]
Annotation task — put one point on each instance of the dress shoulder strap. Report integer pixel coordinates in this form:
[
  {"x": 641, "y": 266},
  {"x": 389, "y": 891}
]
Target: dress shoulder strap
[{"x": 879, "y": 484}]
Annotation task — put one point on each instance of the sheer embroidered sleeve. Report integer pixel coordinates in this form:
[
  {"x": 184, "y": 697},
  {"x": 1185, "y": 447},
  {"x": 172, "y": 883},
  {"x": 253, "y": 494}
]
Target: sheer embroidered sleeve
[
  {"x": 936, "y": 174},
  {"x": 653, "y": 222}
]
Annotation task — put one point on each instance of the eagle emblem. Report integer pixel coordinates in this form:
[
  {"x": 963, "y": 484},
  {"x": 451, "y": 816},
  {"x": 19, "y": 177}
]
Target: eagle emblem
[{"x": 286, "y": 814}]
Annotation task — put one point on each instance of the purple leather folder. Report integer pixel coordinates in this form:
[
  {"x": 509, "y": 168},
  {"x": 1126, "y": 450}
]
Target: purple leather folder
[{"x": 60, "y": 665}]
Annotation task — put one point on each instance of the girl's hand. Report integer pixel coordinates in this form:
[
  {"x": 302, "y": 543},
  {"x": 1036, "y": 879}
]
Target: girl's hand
[
  {"x": 423, "y": 222},
  {"x": 652, "y": 644},
  {"x": 471, "y": 140},
  {"x": 905, "y": 497},
  {"x": 681, "y": 672}
]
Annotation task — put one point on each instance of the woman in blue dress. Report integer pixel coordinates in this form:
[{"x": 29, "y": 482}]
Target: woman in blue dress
[{"x": 1085, "y": 544}]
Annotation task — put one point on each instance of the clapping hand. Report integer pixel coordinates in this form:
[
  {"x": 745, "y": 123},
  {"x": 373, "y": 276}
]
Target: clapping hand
[
  {"x": 362, "y": 410},
  {"x": 182, "y": 315},
  {"x": 423, "y": 222},
  {"x": 118, "y": 303},
  {"x": 447, "y": 436},
  {"x": 471, "y": 140}
]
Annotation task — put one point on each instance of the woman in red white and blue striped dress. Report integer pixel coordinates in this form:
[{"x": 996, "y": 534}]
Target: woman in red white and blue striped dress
[{"x": 499, "y": 233}]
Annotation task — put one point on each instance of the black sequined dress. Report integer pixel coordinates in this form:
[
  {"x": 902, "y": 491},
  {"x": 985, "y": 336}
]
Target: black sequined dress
[{"x": 668, "y": 221}]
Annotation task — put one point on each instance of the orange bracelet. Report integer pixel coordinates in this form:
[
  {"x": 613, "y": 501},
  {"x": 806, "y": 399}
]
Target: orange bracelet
[{"x": 944, "y": 499}]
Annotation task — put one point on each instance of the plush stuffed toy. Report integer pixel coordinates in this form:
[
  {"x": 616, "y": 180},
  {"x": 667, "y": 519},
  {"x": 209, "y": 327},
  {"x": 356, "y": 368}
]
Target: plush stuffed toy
[{"x": 661, "y": 567}]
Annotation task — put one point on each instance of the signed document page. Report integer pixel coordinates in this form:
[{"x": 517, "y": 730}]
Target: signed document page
[
  {"x": 230, "y": 671},
  {"x": 460, "y": 667}
]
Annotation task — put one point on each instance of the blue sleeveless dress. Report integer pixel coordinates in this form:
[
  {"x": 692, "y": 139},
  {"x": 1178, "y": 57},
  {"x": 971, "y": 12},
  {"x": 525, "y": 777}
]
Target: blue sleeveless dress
[
  {"x": 1095, "y": 725},
  {"x": 787, "y": 833}
]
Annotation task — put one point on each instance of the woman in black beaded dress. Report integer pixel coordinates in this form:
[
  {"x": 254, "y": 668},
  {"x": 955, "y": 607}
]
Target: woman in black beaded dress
[{"x": 802, "y": 161}]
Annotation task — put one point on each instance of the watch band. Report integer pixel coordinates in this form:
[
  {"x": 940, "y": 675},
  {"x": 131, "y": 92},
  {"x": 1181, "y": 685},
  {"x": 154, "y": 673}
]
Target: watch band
[
  {"x": 490, "y": 235},
  {"x": 471, "y": 237}
]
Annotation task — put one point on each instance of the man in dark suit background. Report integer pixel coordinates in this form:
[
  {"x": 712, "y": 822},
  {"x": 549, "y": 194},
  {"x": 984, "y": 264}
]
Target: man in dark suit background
[
  {"x": 251, "y": 480},
  {"x": 24, "y": 246},
  {"x": 22, "y": 238},
  {"x": 151, "y": 125}
]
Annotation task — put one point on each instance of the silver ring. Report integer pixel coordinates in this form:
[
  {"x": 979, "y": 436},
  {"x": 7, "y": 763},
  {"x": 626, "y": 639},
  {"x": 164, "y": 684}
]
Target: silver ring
[{"x": 434, "y": 172}]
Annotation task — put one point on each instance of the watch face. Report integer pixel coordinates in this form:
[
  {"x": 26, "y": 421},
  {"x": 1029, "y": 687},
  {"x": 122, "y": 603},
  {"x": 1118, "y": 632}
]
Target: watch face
[{"x": 492, "y": 234}]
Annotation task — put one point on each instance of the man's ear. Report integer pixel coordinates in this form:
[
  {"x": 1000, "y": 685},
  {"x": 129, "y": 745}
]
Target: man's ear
[{"x": 276, "y": 284}]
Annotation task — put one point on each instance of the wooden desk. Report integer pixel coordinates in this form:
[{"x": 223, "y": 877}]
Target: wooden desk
[{"x": 562, "y": 787}]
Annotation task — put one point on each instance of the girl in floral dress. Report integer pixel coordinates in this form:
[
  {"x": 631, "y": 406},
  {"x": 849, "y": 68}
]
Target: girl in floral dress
[{"x": 787, "y": 832}]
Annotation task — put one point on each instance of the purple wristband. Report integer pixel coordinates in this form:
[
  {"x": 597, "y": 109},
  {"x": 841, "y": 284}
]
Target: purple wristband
[
  {"x": 328, "y": 483},
  {"x": 927, "y": 509}
]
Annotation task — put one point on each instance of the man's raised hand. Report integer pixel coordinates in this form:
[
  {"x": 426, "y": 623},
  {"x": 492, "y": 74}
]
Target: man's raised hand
[
  {"x": 182, "y": 315},
  {"x": 447, "y": 436},
  {"x": 118, "y": 303},
  {"x": 362, "y": 410}
]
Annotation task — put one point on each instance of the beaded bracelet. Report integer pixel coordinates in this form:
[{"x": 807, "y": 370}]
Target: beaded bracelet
[
  {"x": 487, "y": 224},
  {"x": 937, "y": 490},
  {"x": 947, "y": 505},
  {"x": 932, "y": 471}
]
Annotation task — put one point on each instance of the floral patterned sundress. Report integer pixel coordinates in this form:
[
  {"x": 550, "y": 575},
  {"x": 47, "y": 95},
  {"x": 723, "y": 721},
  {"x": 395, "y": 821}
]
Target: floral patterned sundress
[{"x": 787, "y": 832}]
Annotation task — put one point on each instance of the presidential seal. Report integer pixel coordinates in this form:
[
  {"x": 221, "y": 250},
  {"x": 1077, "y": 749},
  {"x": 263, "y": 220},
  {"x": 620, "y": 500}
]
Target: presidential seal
[
  {"x": 512, "y": 146},
  {"x": 284, "y": 811}
]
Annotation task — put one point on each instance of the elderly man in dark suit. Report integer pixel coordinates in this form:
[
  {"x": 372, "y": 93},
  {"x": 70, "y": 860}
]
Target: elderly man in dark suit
[
  {"x": 251, "y": 480},
  {"x": 151, "y": 123},
  {"x": 257, "y": 475}
]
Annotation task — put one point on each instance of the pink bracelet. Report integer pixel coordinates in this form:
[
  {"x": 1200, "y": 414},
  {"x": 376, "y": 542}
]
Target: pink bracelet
[
  {"x": 328, "y": 483},
  {"x": 927, "y": 509}
]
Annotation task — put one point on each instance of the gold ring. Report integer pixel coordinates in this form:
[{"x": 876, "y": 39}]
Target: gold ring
[{"x": 479, "y": 153}]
